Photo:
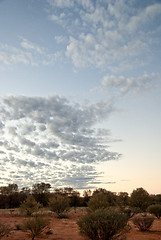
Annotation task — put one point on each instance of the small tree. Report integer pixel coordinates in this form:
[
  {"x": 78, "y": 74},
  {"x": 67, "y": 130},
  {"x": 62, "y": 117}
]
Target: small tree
[
  {"x": 29, "y": 206},
  {"x": 87, "y": 194},
  {"x": 155, "y": 209},
  {"x": 35, "y": 225},
  {"x": 11, "y": 188},
  {"x": 74, "y": 199},
  {"x": 111, "y": 197},
  {"x": 103, "y": 224},
  {"x": 140, "y": 198},
  {"x": 41, "y": 192},
  {"x": 59, "y": 204},
  {"x": 143, "y": 221},
  {"x": 123, "y": 199},
  {"x": 98, "y": 201},
  {"x": 4, "y": 230}
]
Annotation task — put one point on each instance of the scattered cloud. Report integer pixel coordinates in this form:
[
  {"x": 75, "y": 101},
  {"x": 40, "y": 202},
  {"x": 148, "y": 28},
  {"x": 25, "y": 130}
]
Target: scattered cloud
[
  {"x": 61, "y": 3},
  {"x": 121, "y": 85},
  {"x": 60, "y": 39},
  {"x": 53, "y": 137},
  {"x": 27, "y": 53},
  {"x": 113, "y": 36},
  {"x": 145, "y": 16},
  {"x": 103, "y": 34},
  {"x": 30, "y": 46}
]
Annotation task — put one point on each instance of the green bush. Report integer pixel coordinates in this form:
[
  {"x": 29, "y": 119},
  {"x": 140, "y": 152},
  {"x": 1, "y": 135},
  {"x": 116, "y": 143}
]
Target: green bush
[
  {"x": 155, "y": 209},
  {"x": 143, "y": 221},
  {"x": 59, "y": 204},
  {"x": 140, "y": 198},
  {"x": 102, "y": 224},
  {"x": 29, "y": 206},
  {"x": 4, "y": 230},
  {"x": 131, "y": 211},
  {"x": 35, "y": 225},
  {"x": 98, "y": 201}
]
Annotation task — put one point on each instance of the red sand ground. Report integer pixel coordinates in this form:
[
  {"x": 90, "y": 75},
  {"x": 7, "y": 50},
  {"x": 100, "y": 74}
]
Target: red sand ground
[{"x": 67, "y": 229}]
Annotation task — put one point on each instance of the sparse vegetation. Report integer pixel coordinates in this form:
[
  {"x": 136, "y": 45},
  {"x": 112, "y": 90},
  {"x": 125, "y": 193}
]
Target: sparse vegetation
[
  {"x": 143, "y": 221},
  {"x": 102, "y": 224},
  {"x": 98, "y": 201},
  {"x": 59, "y": 204},
  {"x": 29, "y": 206},
  {"x": 108, "y": 212},
  {"x": 140, "y": 198},
  {"x": 155, "y": 209},
  {"x": 4, "y": 230},
  {"x": 41, "y": 192},
  {"x": 35, "y": 226}
]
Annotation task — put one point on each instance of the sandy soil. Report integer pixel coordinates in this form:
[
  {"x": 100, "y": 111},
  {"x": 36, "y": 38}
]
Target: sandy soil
[{"x": 67, "y": 229}]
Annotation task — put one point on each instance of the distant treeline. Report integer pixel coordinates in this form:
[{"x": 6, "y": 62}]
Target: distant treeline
[{"x": 12, "y": 197}]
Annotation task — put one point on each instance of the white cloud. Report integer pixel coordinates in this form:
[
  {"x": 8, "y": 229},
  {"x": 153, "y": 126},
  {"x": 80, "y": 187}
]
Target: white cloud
[
  {"x": 144, "y": 17},
  {"x": 30, "y": 46},
  {"x": 105, "y": 34},
  {"x": 8, "y": 58},
  {"x": 58, "y": 19},
  {"x": 86, "y": 4},
  {"x": 27, "y": 53},
  {"x": 47, "y": 136},
  {"x": 60, "y": 39},
  {"x": 124, "y": 85},
  {"x": 111, "y": 35},
  {"x": 61, "y": 3}
]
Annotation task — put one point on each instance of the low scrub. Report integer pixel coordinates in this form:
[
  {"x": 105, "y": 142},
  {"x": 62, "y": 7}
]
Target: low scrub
[
  {"x": 102, "y": 224},
  {"x": 59, "y": 204},
  {"x": 143, "y": 221},
  {"x": 131, "y": 211},
  {"x": 98, "y": 201},
  {"x": 35, "y": 226},
  {"x": 4, "y": 230},
  {"x": 155, "y": 209},
  {"x": 30, "y": 206}
]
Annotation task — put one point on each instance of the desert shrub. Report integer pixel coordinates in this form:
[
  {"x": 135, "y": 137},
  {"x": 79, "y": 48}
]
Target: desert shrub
[
  {"x": 18, "y": 227},
  {"x": 131, "y": 211},
  {"x": 102, "y": 224},
  {"x": 155, "y": 209},
  {"x": 29, "y": 206},
  {"x": 122, "y": 199},
  {"x": 49, "y": 232},
  {"x": 143, "y": 221},
  {"x": 4, "y": 230},
  {"x": 35, "y": 225},
  {"x": 140, "y": 198},
  {"x": 98, "y": 201},
  {"x": 59, "y": 204},
  {"x": 41, "y": 192},
  {"x": 111, "y": 197}
]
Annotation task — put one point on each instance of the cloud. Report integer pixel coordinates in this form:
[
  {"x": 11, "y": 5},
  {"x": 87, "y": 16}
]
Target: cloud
[
  {"x": 58, "y": 19},
  {"x": 8, "y": 56},
  {"x": 53, "y": 136},
  {"x": 123, "y": 85},
  {"x": 30, "y": 46},
  {"x": 60, "y": 39},
  {"x": 113, "y": 36},
  {"x": 61, "y": 3},
  {"x": 27, "y": 53},
  {"x": 105, "y": 34},
  {"x": 144, "y": 17}
]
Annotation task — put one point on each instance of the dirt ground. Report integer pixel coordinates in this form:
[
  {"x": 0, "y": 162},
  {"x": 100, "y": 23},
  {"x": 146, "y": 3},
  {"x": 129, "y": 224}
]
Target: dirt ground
[{"x": 67, "y": 229}]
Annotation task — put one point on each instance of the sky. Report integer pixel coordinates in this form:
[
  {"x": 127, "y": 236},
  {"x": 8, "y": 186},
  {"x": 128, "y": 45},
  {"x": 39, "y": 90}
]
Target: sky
[{"x": 80, "y": 94}]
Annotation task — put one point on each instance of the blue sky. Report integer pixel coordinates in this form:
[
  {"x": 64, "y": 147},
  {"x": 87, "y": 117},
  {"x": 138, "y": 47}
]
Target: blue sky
[{"x": 80, "y": 93}]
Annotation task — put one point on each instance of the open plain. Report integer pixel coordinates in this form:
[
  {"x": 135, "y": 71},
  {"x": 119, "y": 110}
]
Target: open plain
[{"x": 67, "y": 228}]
